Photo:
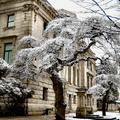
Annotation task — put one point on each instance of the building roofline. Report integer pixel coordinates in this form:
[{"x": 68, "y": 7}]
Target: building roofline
[
  {"x": 49, "y": 6},
  {"x": 43, "y": 3}
]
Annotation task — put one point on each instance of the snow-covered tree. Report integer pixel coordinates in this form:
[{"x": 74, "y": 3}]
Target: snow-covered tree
[
  {"x": 107, "y": 84},
  {"x": 4, "y": 68},
  {"x": 12, "y": 90},
  {"x": 62, "y": 44},
  {"x": 106, "y": 67}
]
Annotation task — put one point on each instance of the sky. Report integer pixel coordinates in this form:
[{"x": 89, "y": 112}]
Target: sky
[
  {"x": 71, "y": 6},
  {"x": 66, "y": 4}
]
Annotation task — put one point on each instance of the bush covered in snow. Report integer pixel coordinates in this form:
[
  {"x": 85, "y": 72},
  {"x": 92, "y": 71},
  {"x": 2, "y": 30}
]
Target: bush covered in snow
[{"x": 12, "y": 91}]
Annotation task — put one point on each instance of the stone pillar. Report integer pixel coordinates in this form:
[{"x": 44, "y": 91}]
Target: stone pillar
[{"x": 81, "y": 105}]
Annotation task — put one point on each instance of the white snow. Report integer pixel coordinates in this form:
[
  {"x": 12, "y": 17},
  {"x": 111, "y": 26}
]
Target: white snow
[
  {"x": 109, "y": 114},
  {"x": 61, "y": 40},
  {"x": 4, "y": 65},
  {"x": 104, "y": 83},
  {"x": 115, "y": 114},
  {"x": 71, "y": 116}
]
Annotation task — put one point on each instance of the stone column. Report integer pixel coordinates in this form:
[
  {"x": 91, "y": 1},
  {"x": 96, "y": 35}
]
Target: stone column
[{"x": 81, "y": 105}]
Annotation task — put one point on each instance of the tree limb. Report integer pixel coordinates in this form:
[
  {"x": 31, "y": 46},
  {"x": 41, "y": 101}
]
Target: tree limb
[{"x": 106, "y": 14}]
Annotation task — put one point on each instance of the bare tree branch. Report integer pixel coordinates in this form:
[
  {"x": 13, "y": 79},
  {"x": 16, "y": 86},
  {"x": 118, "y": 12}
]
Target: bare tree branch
[
  {"x": 97, "y": 11},
  {"x": 66, "y": 62},
  {"x": 106, "y": 14}
]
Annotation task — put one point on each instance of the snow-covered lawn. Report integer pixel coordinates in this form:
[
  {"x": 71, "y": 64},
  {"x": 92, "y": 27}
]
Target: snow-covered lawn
[
  {"x": 109, "y": 114},
  {"x": 71, "y": 116}
]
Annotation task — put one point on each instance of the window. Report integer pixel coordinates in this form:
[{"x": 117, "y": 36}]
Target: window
[
  {"x": 74, "y": 75},
  {"x": 69, "y": 74},
  {"x": 45, "y": 25},
  {"x": 74, "y": 99},
  {"x": 89, "y": 65},
  {"x": 93, "y": 101},
  {"x": 89, "y": 80},
  {"x": 78, "y": 78},
  {"x": 8, "y": 52},
  {"x": 11, "y": 21},
  {"x": 35, "y": 18},
  {"x": 70, "y": 102},
  {"x": 45, "y": 93},
  {"x": 88, "y": 101}
]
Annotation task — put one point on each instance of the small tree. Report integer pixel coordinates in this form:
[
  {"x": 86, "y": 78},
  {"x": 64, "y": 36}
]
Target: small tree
[
  {"x": 11, "y": 89},
  {"x": 51, "y": 54},
  {"x": 107, "y": 85},
  {"x": 4, "y": 68}
]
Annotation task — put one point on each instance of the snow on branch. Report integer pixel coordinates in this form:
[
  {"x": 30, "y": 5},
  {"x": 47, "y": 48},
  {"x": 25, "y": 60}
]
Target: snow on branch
[
  {"x": 14, "y": 88},
  {"x": 28, "y": 42},
  {"x": 106, "y": 85},
  {"x": 4, "y": 68},
  {"x": 63, "y": 48},
  {"x": 106, "y": 14}
]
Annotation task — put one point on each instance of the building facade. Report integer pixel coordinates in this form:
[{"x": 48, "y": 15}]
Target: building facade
[
  {"x": 19, "y": 18},
  {"x": 79, "y": 79}
]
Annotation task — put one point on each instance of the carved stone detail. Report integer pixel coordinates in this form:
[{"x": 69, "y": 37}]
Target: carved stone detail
[{"x": 30, "y": 7}]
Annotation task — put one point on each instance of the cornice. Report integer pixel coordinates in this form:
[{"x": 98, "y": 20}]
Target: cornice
[
  {"x": 47, "y": 7},
  {"x": 7, "y": 1},
  {"x": 11, "y": 10},
  {"x": 30, "y": 7}
]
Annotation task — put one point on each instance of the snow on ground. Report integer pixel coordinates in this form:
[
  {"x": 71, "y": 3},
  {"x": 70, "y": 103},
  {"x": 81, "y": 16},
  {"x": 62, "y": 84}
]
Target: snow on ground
[
  {"x": 71, "y": 116},
  {"x": 109, "y": 114}
]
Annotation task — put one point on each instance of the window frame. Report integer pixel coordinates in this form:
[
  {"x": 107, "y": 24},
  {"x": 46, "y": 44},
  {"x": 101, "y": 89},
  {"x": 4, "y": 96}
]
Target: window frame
[
  {"x": 89, "y": 80},
  {"x": 74, "y": 99},
  {"x": 69, "y": 75},
  {"x": 74, "y": 75},
  {"x": 45, "y": 24},
  {"x": 8, "y": 51},
  {"x": 8, "y": 21},
  {"x": 89, "y": 65},
  {"x": 45, "y": 94}
]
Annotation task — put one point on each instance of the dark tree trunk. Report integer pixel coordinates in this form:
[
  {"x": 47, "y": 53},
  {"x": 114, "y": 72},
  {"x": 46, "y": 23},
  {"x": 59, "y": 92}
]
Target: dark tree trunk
[
  {"x": 104, "y": 106},
  {"x": 106, "y": 99},
  {"x": 60, "y": 105}
]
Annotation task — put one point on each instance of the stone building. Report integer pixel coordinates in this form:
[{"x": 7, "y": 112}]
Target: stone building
[{"x": 19, "y": 18}]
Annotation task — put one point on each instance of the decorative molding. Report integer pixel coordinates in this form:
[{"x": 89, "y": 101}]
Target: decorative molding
[
  {"x": 9, "y": 28},
  {"x": 48, "y": 8},
  {"x": 2, "y": 38},
  {"x": 9, "y": 10},
  {"x": 30, "y": 7}
]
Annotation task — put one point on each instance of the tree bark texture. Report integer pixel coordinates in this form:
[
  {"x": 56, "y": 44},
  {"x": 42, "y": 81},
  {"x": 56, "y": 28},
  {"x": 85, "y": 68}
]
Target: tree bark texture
[
  {"x": 104, "y": 106},
  {"x": 60, "y": 105},
  {"x": 106, "y": 99}
]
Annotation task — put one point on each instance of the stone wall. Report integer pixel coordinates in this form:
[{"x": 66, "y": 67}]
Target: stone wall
[
  {"x": 36, "y": 105},
  {"x": 29, "y": 20}
]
